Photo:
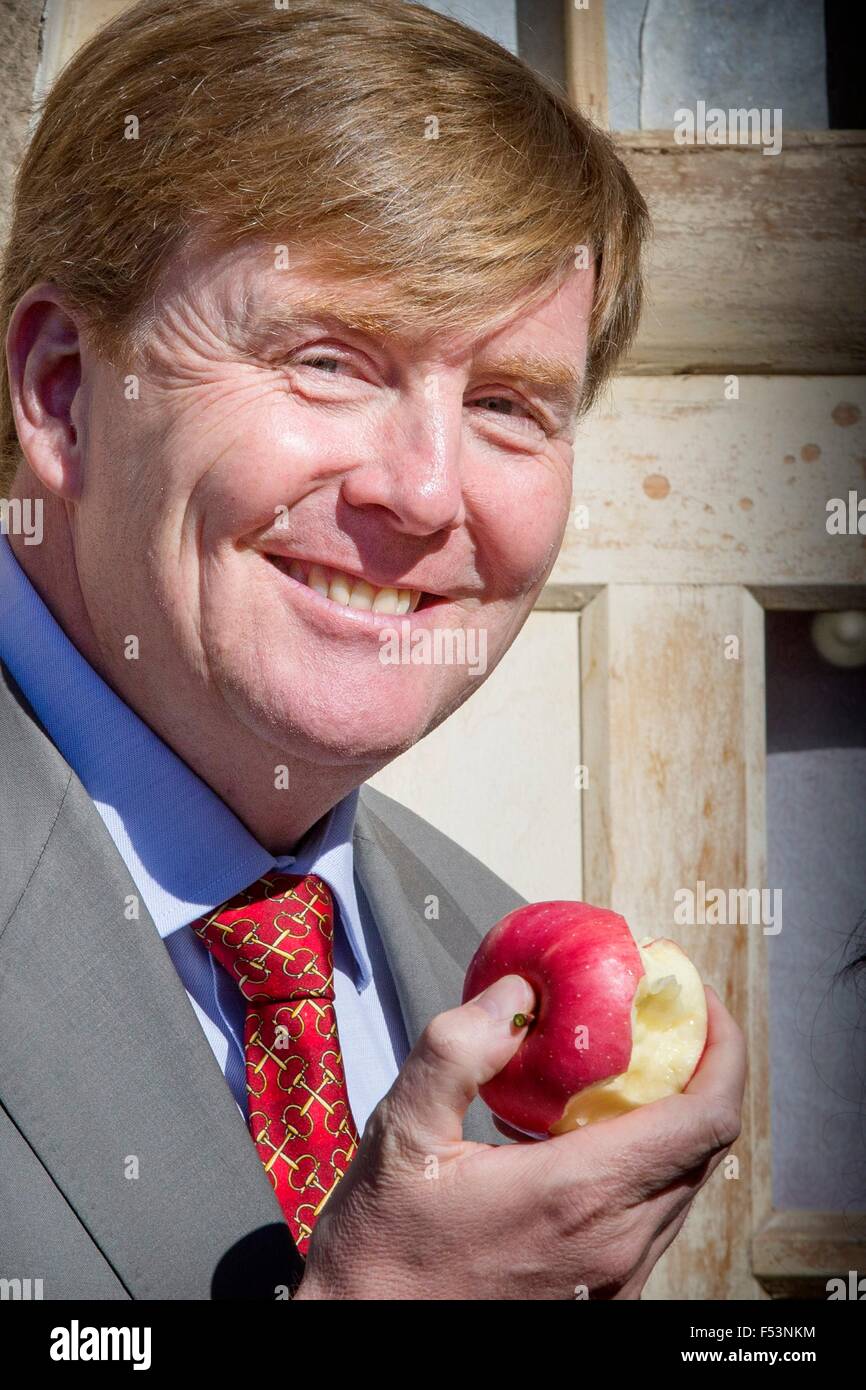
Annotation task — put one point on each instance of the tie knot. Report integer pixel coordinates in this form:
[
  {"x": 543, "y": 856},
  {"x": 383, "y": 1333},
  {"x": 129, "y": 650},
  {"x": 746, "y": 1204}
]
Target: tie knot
[{"x": 276, "y": 938}]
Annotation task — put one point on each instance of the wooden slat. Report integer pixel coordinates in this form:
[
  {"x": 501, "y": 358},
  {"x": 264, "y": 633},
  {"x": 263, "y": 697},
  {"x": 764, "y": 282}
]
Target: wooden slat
[
  {"x": 758, "y": 261},
  {"x": 795, "y": 1253},
  {"x": 673, "y": 739},
  {"x": 804, "y": 598},
  {"x": 499, "y": 775},
  {"x": 809, "y": 598},
  {"x": 586, "y": 58},
  {"x": 682, "y": 485},
  {"x": 19, "y": 50},
  {"x": 556, "y": 597},
  {"x": 67, "y": 25}
]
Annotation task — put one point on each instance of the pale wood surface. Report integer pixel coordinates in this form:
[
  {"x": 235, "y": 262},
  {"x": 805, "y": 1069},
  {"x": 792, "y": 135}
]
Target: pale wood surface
[
  {"x": 683, "y": 486},
  {"x": 796, "y": 1252},
  {"x": 673, "y": 737},
  {"x": 758, "y": 261},
  {"x": 499, "y": 775},
  {"x": 67, "y": 25},
  {"x": 19, "y": 53},
  {"x": 586, "y": 58}
]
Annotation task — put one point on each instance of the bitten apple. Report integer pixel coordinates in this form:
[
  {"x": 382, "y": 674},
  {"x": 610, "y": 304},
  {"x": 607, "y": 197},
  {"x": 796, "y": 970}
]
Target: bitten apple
[{"x": 617, "y": 1024}]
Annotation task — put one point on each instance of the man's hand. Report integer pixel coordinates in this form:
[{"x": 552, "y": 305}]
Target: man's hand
[{"x": 422, "y": 1214}]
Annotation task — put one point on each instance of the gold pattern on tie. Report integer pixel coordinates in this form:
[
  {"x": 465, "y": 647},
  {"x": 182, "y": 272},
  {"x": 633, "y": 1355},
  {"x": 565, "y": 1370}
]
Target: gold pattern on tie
[{"x": 276, "y": 940}]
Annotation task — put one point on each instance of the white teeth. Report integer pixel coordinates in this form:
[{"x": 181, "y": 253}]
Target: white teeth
[
  {"x": 354, "y": 593},
  {"x": 340, "y": 588},
  {"x": 362, "y": 595},
  {"x": 386, "y": 601},
  {"x": 318, "y": 580}
]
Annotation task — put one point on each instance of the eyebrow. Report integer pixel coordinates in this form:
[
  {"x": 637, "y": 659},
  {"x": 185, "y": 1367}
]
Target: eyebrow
[
  {"x": 553, "y": 378},
  {"x": 282, "y": 317}
]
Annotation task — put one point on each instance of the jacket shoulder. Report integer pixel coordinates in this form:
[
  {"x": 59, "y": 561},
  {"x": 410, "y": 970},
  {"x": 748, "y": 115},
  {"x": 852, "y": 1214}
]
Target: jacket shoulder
[{"x": 401, "y": 831}]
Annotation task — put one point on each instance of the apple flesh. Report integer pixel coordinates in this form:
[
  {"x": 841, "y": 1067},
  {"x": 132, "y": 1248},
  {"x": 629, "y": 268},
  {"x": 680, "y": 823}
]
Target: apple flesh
[{"x": 618, "y": 1023}]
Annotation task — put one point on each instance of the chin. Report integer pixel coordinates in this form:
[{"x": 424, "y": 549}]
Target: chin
[{"x": 337, "y": 719}]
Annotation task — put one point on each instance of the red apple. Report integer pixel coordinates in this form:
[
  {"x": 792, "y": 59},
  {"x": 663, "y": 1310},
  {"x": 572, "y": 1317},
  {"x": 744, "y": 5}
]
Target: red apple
[{"x": 617, "y": 1023}]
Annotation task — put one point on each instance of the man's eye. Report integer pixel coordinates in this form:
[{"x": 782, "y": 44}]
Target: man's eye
[
  {"x": 323, "y": 362},
  {"x": 513, "y": 410}
]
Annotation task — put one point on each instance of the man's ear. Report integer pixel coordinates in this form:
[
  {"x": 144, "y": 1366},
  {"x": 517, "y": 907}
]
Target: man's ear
[{"x": 43, "y": 353}]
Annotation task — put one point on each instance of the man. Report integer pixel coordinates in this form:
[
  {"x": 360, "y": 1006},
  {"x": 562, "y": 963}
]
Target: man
[{"x": 303, "y": 305}]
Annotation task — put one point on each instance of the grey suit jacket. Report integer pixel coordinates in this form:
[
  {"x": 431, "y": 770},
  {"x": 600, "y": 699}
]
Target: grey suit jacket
[{"x": 126, "y": 1171}]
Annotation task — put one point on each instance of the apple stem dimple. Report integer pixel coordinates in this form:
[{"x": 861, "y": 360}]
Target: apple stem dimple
[{"x": 521, "y": 1020}]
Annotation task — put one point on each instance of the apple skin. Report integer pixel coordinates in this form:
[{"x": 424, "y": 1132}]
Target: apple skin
[{"x": 584, "y": 966}]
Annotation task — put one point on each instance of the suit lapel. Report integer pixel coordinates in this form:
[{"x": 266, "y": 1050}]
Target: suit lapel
[
  {"x": 106, "y": 1070},
  {"x": 428, "y": 956}
]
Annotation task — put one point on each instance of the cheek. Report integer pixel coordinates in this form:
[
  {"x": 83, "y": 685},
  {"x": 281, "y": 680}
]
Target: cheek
[
  {"x": 250, "y": 454},
  {"x": 524, "y": 510}
]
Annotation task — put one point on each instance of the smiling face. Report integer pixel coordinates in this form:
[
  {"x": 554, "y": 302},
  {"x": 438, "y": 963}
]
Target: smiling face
[{"x": 290, "y": 482}]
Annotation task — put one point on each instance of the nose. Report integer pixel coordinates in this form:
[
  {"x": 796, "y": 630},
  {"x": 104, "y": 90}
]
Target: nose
[{"x": 413, "y": 469}]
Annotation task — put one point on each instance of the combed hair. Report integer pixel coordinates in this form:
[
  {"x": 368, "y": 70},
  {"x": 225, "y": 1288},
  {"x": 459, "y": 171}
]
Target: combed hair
[{"x": 317, "y": 123}]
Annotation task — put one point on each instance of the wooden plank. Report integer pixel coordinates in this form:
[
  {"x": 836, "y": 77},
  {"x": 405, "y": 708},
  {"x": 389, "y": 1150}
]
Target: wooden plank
[
  {"x": 795, "y": 1253},
  {"x": 500, "y": 775},
  {"x": 810, "y": 599},
  {"x": 758, "y": 262},
  {"x": 19, "y": 53},
  {"x": 681, "y": 485},
  {"x": 674, "y": 744},
  {"x": 554, "y": 598},
  {"x": 586, "y": 58},
  {"x": 67, "y": 25}
]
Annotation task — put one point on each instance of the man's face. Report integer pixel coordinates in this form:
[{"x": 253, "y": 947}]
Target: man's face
[{"x": 426, "y": 465}]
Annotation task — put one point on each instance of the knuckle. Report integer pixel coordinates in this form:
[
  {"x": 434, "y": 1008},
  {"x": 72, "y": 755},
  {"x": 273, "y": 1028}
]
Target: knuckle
[
  {"x": 621, "y": 1259},
  {"x": 442, "y": 1041},
  {"x": 725, "y": 1125},
  {"x": 387, "y": 1142},
  {"x": 379, "y": 1124}
]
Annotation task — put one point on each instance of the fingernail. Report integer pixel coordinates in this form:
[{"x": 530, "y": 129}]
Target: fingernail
[{"x": 506, "y": 997}]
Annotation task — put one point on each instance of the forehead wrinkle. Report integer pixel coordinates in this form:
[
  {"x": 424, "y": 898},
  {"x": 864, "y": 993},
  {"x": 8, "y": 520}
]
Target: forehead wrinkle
[
  {"x": 293, "y": 312},
  {"x": 413, "y": 326}
]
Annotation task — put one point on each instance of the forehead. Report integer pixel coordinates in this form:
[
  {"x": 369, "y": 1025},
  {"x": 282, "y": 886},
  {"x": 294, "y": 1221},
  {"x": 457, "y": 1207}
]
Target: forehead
[{"x": 260, "y": 294}]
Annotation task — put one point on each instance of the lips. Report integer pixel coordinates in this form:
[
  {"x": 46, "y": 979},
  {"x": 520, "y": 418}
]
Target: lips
[{"x": 353, "y": 591}]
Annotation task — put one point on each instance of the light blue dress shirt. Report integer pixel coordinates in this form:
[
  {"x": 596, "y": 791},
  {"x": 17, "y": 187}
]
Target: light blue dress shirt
[{"x": 187, "y": 852}]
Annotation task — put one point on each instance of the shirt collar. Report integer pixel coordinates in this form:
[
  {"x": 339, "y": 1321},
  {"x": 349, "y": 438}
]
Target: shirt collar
[{"x": 186, "y": 851}]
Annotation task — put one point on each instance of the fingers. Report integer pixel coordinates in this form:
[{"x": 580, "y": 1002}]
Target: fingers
[
  {"x": 457, "y": 1052},
  {"x": 674, "y": 1144},
  {"x": 722, "y": 1069}
]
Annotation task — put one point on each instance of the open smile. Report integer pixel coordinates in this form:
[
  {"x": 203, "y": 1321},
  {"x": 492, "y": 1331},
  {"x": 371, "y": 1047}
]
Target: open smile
[{"x": 355, "y": 595}]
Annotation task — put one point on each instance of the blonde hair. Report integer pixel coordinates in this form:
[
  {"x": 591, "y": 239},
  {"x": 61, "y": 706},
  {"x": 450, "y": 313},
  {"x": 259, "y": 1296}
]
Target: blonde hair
[{"x": 400, "y": 145}]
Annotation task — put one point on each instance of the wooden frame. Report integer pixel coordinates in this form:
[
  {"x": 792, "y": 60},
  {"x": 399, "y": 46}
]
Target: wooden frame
[
  {"x": 586, "y": 57},
  {"x": 650, "y": 649},
  {"x": 741, "y": 277},
  {"x": 795, "y": 1253}
]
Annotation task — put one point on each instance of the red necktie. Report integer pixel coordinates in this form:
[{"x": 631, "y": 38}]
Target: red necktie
[{"x": 276, "y": 939}]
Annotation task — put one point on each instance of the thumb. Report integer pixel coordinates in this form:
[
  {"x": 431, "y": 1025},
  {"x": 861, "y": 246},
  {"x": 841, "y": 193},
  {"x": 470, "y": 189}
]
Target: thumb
[{"x": 457, "y": 1052}]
